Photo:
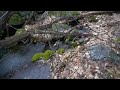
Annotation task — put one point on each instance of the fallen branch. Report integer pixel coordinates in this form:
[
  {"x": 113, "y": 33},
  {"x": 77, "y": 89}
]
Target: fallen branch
[
  {"x": 54, "y": 35},
  {"x": 71, "y": 18},
  {"x": 16, "y": 38},
  {"x": 89, "y": 14},
  {"x": 13, "y": 39}
]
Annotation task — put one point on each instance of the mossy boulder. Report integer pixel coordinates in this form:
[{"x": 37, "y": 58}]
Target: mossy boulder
[
  {"x": 16, "y": 19},
  {"x": 37, "y": 56},
  {"x": 60, "y": 51}
]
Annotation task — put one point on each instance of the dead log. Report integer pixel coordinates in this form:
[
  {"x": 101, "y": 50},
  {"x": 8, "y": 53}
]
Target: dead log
[
  {"x": 13, "y": 39},
  {"x": 42, "y": 38}
]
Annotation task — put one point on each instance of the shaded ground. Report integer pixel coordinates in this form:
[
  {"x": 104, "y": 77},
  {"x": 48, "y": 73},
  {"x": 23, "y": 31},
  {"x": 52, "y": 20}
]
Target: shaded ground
[{"x": 76, "y": 63}]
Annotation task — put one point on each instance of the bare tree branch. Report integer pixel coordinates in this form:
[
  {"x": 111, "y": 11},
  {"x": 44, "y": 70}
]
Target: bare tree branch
[{"x": 71, "y": 18}]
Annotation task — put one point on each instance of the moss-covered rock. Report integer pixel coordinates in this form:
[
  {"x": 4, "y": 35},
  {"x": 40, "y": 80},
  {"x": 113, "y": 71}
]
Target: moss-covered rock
[
  {"x": 60, "y": 51},
  {"x": 16, "y": 19},
  {"x": 37, "y": 56}
]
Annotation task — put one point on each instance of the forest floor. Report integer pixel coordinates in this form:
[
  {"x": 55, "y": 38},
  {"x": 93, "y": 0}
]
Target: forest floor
[
  {"x": 77, "y": 64},
  {"x": 97, "y": 58}
]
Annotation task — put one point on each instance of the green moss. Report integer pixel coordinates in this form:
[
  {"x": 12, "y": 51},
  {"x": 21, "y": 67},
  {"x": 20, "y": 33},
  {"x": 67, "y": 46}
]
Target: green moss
[
  {"x": 75, "y": 13},
  {"x": 60, "y": 51},
  {"x": 68, "y": 39},
  {"x": 37, "y": 56},
  {"x": 20, "y": 31},
  {"x": 15, "y": 19},
  {"x": 117, "y": 40},
  {"x": 34, "y": 40},
  {"x": 92, "y": 19},
  {"x": 48, "y": 54},
  {"x": 74, "y": 44}
]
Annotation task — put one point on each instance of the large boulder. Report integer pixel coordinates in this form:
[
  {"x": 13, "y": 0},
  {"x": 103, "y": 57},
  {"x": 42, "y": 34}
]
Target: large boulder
[{"x": 13, "y": 61}]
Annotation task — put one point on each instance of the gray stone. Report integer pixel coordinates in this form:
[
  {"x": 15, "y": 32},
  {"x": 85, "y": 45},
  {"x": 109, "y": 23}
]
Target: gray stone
[
  {"x": 14, "y": 61},
  {"x": 101, "y": 52},
  {"x": 35, "y": 71}
]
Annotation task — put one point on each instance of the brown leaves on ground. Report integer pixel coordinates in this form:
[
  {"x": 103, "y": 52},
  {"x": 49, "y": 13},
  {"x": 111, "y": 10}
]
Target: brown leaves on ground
[{"x": 73, "y": 64}]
